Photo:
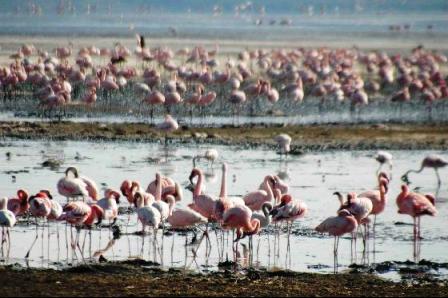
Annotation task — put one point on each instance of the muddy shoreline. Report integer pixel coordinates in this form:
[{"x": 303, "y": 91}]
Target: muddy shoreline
[
  {"x": 305, "y": 137},
  {"x": 137, "y": 278}
]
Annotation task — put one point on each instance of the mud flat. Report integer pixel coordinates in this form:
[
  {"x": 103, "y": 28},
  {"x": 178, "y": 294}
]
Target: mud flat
[
  {"x": 138, "y": 278},
  {"x": 305, "y": 138}
]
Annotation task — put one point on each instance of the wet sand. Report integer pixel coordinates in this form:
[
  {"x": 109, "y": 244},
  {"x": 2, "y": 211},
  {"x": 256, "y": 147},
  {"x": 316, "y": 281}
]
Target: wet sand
[
  {"x": 305, "y": 137},
  {"x": 137, "y": 278}
]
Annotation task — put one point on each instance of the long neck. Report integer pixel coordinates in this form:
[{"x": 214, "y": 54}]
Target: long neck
[
  {"x": 252, "y": 227},
  {"x": 266, "y": 210},
  {"x": 198, "y": 188},
  {"x": 223, "y": 193},
  {"x": 415, "y": 171},
  {"x": 171, "y": 202},
  {"x": 3, "y": 203},
  {"x": 268, "y": 189}
]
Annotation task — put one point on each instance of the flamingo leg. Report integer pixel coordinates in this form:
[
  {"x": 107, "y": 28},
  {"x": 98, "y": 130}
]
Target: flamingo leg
[{"x": 439, "y": 182}]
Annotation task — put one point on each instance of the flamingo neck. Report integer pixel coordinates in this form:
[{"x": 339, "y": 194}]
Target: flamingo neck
[
  {"x": 198, "y": 188},
  {"x": 268, "y": 189},
  {"x": 158, "y": 188},
  {"x": 223, "y": 193}
]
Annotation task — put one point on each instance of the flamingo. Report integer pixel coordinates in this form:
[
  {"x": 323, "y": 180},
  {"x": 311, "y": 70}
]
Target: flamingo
[
  {"x": 7, "y": 220},
  {"x": 430, "y": 161},
  {"x": 109, "y": 204},
  {"x": 164, "y": 208},
  {"x": 384, "y": 157},
  {"x": 169, "y": 125},
  {"x": 239, "y": 217},
  {"x": 378, "y": 197},
  {"x": 284, "y": 141},
  {"x": 276, "y": 185},
  {"x": 40, "y": 207},
  {"x": 288, "y": 210},
  {"x": 19, "y": 206},
  {"x": 202, "y": 203},
  {"x": 254, "y": 200},
  {"x": 210, "y": 154},
  {"x": 147, "y": 214},
  {"x": 169, "y": 187},
  {"x": 415, "y": 205},
  {"x": 185, "y": 218},
  {"x": 360, "y": 207},
  {"x": 337, "y": 226},
  {"x": 72, "y": 187}
]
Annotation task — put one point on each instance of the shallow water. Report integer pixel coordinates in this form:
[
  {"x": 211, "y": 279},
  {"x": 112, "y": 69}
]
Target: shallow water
[{"x": 312, "y": 178}]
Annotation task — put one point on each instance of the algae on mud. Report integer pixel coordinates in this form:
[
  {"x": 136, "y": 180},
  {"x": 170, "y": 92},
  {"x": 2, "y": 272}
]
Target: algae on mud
[
  {"x": 134, "y": 279},
  {"x": 305, "y": 137}
]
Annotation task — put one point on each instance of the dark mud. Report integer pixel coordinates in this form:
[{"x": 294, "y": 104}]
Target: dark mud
[
  {"x": 139, "y": 278},
  {"x": 305, "y": 138}
]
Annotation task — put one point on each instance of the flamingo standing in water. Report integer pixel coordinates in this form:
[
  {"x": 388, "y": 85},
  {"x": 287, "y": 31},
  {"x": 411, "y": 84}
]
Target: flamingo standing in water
[
  {"x": 7, "y": 220},
  {"x": 360, "y": 207},
  {"x": 239, "y": 217},
  {"x": 337, "y": 226},
  {"x": 77, "y": 186},
  {"x": 384, "y": 157},
  {"x": 164, "y": 208},
  {"x": 284, "y": 141},
  {"x": 378, "y": 197},
  {"x": 430, "y": 161},
  {"x": 109, "y": 204},
  {"x": 210, "y": 154},
  {"x": 169, "y": 125},
  {"x": 202, "y": 203},
  {"x": 147, "y": 214},
  {"x": 415, "y": 205},
  {"x": 40, "y": 207}
]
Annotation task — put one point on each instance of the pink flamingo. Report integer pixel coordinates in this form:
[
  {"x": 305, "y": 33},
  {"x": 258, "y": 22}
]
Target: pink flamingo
[
  {"x": 185, "y": 218},
  {"x": 337, "y": 226},
  {"x": 152, "y": 99},
  {"x": 164, "y": 208},
  {"x": 202, "y": 203},
  {"x": 19, "y": 206},
  {"x": 147, "y": 214},
  {"x": 109, "y": 204},
  {"x": 254, "y": 200},
  {"x": 72, "y": 187},
  {"x": 169, "y": 187},
  {"x": 378, "y": 197},
  {"x": 284, "y": 141},
  {"x": 239, "y": 217},
  {"x": 224, "y": 202},
  {"x": 360, "y": 208},
  {"x": 40, "y": 207},
  {"x": 277, "y": 185},
  {"x": 169, "y": 125},
  {"x": 288, "y": 210},
  {"x": 415, "y": 205},
  {"x": 430, "y": 161}
]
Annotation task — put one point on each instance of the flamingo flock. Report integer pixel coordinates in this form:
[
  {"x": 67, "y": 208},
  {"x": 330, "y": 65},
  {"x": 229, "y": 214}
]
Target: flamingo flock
[
  {"x": 156, "y": 207},
  {"x": 185, "y": 80}
]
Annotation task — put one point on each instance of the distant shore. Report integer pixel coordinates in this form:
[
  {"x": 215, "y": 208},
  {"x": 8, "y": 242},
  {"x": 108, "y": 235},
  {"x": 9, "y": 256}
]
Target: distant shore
[{"x": 305, "y": 137}]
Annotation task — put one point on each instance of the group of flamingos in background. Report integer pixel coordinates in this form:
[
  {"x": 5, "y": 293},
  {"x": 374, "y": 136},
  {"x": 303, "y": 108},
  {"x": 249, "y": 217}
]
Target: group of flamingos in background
[
  {"x": 155, "y": 206},
  {"x": 187, "y": 80}
]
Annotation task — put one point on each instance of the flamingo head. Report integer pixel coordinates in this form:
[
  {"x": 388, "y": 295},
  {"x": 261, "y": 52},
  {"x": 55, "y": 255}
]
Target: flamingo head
[
  {"x": 431, "y": 198},
  {"x": 344, "y": 212},
  {"x": 73, "y": 170},
  {"x": 285, "y": 199},
  {"x": 22, "y": 195},
  {"x": 383, "y": 175},
  {"x": 340, "y": 197},
  {"x": 255, "y": 228},
  {"x": 125, "y": 187},
  {"x": 404, "y": 188},
  {"x": 112, "y": 193},
  {"x": 195, "y": 172}
]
